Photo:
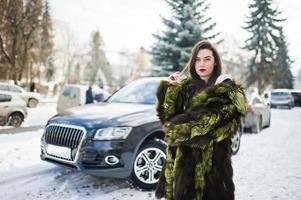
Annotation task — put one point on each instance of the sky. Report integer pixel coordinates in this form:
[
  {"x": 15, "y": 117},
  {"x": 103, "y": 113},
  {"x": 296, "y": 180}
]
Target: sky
[{"x": 129, "y": 24}]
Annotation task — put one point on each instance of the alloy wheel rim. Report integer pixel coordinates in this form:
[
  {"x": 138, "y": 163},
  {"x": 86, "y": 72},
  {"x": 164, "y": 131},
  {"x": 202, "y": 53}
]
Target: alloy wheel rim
[
  {"x": 32, "y": 103},
  {"x": 148, "y": 165},
  {"x": 235, "y": 142}
]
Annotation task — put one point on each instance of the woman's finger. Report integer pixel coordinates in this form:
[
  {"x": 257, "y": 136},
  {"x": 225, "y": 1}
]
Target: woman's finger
[{"x": 175, "y": 76}]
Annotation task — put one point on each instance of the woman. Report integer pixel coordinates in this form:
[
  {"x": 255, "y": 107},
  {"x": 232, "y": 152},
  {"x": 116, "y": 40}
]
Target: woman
[{"x": 199, "y": 115}]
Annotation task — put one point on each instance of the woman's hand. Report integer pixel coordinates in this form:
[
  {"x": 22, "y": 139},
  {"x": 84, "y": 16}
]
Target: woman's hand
[{"x": 175, "y": 77}]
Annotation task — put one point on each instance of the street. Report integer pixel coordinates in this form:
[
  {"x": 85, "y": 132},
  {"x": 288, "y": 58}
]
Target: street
[{"x": 267, "y": 167}]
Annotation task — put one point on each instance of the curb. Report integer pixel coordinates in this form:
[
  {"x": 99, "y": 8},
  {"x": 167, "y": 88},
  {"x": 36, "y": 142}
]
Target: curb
[{"x": 21, "y": 129}]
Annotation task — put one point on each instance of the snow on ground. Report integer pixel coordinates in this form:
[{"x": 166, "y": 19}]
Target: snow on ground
[
  {"x": 24, "y": 176},
  {"x": 40, "y": 114},
  {"x": 267, "y": 166},
  {"x": 19, "y": 150}
]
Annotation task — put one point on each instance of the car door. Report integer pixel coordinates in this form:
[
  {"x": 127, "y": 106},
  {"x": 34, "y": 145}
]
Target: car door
[
  {"x": 263, "y": 110},
  {"x": 259, "y": 108},
  {"x": 4, "y": 108}
]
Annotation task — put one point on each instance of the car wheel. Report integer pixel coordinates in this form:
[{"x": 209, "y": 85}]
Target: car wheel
[
  {"x": 235, "y": 142},
  {"x": 32, "y": 103},
  {"x": 16, "y": 119},
  {"x": 148, "y": 164},
  {"x": 258, "y": 126}
]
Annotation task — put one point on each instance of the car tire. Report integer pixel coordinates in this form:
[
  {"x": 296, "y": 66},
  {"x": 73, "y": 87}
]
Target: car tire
[
  {"x": 32, "y": 103},
  {"x": 258, "y": 126},
  {"x": 16, "y": 119},
  {"x": 148, "y": 164},
  {"x": 269, "y": 122},
  {"x": 236, "y": 142}
]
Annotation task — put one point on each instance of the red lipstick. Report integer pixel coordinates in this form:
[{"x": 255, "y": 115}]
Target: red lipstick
[{"x": 202, "y": 70}]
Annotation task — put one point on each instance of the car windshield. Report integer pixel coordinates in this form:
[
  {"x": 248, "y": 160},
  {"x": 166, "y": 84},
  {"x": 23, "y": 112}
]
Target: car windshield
[
  {"x": 15, "y": 89},
  {"x": 4, "y": 88},
  {"x": 69, "y": 92},
  {"x": 142, "y": 91},
  {"x": 280, "y": 94},
  {"x": 296, "y": 93}
]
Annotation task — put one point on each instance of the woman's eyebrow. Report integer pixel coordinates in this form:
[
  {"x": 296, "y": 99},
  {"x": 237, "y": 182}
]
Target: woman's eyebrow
[{"x": 205, "y": 57}]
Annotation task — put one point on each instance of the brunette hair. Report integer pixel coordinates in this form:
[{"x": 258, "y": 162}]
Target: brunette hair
[{"x": 190, "y": 67}]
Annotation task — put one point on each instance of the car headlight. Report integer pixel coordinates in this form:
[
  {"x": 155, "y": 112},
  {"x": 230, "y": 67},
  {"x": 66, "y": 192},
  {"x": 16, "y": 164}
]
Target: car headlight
[{"x": 112, "y": 133}]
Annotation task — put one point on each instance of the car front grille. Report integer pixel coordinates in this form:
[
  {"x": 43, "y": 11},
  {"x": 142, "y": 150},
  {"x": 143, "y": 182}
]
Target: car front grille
[{"x": 63, "y": 135}]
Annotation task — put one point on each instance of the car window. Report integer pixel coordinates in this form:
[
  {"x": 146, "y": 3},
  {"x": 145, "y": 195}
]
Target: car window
[
  {"x": 70, "y": 92},
  {"x": 280, "y": 94},
  {"x": 142, "y": 92},
  {"x": 14, "y": 89},
  {"x": 257, "y": 100},
  {"x": 5, "y": 98},
  {"x": 4, "y": 88},
  {"x": 296, "y": 94}
]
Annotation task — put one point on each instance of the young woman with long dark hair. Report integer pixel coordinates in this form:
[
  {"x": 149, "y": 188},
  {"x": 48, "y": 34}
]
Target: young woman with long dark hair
[{"x": 199, "y": 114}]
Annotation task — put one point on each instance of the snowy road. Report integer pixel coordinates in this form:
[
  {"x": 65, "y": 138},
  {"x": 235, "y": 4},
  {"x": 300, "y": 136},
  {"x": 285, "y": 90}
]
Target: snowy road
[{"x": 267, "y": 166}]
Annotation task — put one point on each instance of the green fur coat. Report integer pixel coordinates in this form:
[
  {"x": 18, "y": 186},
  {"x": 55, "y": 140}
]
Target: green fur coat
[{"x": 198, "y": 127}]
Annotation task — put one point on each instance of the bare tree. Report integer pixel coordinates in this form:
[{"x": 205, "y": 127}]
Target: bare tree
[
  {"x": 11, "y": 13},
  {"x": 46, "y": 41},
  {"x": 30, "y": 41},
  {"x": 20, "y": 28}
]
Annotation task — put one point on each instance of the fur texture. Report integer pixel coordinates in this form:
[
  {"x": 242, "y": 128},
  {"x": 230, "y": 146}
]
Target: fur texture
[{"x": 198, "y": 128}]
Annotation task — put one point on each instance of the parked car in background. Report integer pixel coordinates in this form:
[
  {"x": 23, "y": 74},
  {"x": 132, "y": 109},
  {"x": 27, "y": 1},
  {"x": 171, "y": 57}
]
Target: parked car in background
[
  {"x": 258, "y": 115},
  {"x": 282, "y": 97},
  {"x": 121, "y": 138},
  {"x": 297, "y": 97},
  {"x": 12, "y": 109},
  {"x": 73, "y": 95},
  {"x": 31, "y": 98}
]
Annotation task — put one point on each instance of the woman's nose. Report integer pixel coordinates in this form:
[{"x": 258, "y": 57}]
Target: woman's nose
[{"x": 202, "y": 63}]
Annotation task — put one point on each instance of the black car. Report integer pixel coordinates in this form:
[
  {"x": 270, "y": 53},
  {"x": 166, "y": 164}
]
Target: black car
[
  {"x": 120, "y": 138},
  {"x": 297, "y": 97}
]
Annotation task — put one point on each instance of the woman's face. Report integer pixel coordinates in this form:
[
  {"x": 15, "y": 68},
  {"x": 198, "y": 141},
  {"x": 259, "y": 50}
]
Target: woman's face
[{"x": 204, "y": 63}]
